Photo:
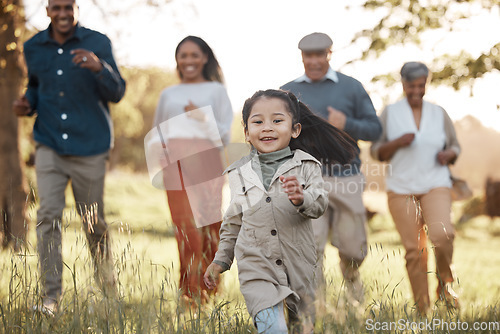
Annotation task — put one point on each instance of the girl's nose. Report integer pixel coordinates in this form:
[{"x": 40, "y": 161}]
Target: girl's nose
[{"x": 267, "y": 127}]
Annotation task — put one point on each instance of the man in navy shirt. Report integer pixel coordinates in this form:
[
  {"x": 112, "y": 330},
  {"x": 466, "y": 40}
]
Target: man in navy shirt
[
  {"x": 72, "y": 76},
  {"x": 342, "y": 101}
]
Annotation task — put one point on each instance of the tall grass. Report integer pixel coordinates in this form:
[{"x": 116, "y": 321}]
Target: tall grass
[{"x": 147, "y": 268}]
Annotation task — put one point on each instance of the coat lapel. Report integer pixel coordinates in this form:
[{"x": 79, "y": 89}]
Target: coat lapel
[
  {"x": 295, "y": 161},
  {"x": 250, "y": 176}
]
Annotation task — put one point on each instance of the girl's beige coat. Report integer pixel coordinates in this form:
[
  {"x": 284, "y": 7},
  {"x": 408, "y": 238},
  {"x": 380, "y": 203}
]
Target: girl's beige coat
[{"x": 271, "y": 238}]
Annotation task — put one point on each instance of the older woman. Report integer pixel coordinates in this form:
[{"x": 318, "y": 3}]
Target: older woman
[{"x": 419, "y": 141}]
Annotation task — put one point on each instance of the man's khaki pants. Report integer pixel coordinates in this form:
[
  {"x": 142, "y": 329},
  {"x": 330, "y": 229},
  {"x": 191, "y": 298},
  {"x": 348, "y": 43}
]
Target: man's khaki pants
[
  {"x": 343, "y": 224},
  {"x": 53, "y": 173},
  {"x": 410, "y": 213}
]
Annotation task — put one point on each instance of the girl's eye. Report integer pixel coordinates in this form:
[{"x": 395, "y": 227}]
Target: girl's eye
[
  {"x": 278, "y": 120},
  {"x": 257, "y": 122}
]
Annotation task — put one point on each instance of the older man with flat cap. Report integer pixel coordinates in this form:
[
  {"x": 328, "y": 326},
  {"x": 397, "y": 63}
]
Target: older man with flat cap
[{"x": 343, "y": 101}]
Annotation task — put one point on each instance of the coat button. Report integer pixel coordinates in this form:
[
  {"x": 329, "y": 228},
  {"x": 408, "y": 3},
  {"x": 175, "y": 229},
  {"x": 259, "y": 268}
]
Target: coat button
[
  {"x": 268, "y": 199},
  {"x": 273, "y": 232},
  {"x": 279, "y": 262}
]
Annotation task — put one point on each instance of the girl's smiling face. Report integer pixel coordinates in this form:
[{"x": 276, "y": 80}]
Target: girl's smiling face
[{"x": 270, "y": 126}]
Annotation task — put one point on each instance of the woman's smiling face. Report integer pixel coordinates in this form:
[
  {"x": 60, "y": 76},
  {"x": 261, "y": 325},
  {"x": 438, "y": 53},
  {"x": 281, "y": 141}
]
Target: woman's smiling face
[{"x": 190, "y": 62}]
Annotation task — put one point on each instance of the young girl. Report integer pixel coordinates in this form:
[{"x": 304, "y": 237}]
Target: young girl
[{"x": 275, "y": 191}]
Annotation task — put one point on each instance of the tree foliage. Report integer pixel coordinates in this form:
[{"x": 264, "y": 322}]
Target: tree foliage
[
  {"x": 405, "y": 22},
  {"x": 12, "y": 187},
  {"x": 133, "y": 116}
]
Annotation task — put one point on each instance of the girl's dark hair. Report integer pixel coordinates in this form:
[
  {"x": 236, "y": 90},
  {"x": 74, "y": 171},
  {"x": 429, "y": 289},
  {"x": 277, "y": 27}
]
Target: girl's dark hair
[
  {"x": 211, "y": 70},
  {"x": 318, "y": 137}
]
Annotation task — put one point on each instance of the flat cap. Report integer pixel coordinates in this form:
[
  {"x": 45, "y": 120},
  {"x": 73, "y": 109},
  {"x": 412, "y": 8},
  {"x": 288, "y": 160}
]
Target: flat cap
[{"x": 315, "y": 42}]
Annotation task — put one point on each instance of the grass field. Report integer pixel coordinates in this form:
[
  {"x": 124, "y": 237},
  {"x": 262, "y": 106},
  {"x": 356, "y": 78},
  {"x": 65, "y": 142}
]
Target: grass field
[{"x": 147, "y": 268}]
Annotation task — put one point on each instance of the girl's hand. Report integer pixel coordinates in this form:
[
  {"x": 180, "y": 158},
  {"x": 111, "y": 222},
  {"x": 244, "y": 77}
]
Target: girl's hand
[
  {"x": 293, "y": 189},
  {"x": 211, "y": 277}
]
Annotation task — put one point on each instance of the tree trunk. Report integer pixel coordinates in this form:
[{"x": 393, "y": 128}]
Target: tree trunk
[{"x": 13, "y": 225}]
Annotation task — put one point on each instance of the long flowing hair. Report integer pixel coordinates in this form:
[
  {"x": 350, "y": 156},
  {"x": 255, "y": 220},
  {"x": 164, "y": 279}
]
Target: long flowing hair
[{"x": 318, "y": 137}]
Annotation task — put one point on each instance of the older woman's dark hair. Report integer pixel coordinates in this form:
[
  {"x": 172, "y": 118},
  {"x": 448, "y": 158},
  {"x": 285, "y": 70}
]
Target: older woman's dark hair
[
  {"x": 319, "y": 138},
  {"x": 414, "y": 70},
  {"x": 211, "y": 70}
]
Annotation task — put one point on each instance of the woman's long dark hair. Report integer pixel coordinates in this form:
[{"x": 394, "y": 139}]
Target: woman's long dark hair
[
  {"x": 211, "y": 70},
  {"x": 318, "y": 137}
]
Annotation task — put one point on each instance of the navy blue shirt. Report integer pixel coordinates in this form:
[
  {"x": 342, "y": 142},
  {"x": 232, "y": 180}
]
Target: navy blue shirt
[{"x": 72, "y": 102}]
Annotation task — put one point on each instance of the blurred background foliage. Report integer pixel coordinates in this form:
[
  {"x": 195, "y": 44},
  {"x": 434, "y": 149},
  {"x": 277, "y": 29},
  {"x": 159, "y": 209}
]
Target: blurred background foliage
[
  {"x": 405, "y": 22},
  {"x": 133, "y": 116}
]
